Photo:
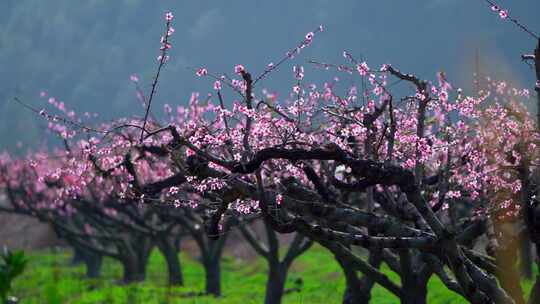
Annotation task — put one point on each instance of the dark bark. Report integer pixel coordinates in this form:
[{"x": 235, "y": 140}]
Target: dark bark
[
  {"x": 534, "y": 296},
  {"x": 135, "y": 259},
  {"x": 509, "y": 275},
  {"x": 169, "y": 250},
  {"x": 211, "y": 251},
  {"x": 93, "y": 264},
  {"x": 143, "y": 248},
  {"x": 414, "y": 284},
  {"x": 132, "y": 271},
  {"x": 275, "y": 284},
  {"x": 77, "y": 258},
  {"x": 416, "y": 294},
  {"x": 212, "y": 268},
  {"x": 537, "y": 87},
  {"x": 532, "y": 216},
  {"x": 354, "y": 292},
  {"x": 91, "y": 260},
  {"x": 526, "y": 258}
]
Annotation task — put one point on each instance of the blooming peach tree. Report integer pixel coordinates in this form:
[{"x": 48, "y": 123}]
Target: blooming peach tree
[{"x": 415, "y": 175}]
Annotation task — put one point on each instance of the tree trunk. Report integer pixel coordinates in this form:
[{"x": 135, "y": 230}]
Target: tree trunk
[
  {"x": 509, "y": 276},
  {"x": 143, "y": 249},
  {"x": 132, "y": 270},
  {"x": 275, "y": 284},
  {"x": 170, "y": 253},
  {"x": 212, "y": 267},
  {"x": 413, "y": 282},
  {"x": 526, "y": 258},
  {"x": 534, "y": 296},
  {"x": 353, "y": 293},
  {"x": 415, "y": 296},
  {"x": 415, "y": 292},
  {"x": 78, "y": 256},
  {"x": 93, "y": 265},
  {"x": 533, "y": 214},
  {"x": 537, "y": 87},
  {"x": 91, "y": 260}
]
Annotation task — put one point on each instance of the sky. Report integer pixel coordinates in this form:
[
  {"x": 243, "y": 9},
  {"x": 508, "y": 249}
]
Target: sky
[{"x": 83, "y": 52}]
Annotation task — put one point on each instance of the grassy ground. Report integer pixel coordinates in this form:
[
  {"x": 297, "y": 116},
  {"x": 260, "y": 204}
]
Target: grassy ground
[{"x": 50, "y": 280}]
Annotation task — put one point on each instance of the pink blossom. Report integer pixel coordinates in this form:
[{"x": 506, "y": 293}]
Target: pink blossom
[
  {"x": 169, "y": 16},
  {"x": 202, "y": 72},
  {"x": 173, "y": 190},
  {"x": 453, "y": 194},
  {"x": 165, "y": 46},
  {"x": 443, "y": 95},
  {"x": 238, "y": 69},
  {"x": 279, "y": 199},
  {"x": 362, "y": 68},
  {"x": 217, "y": 85},
  {"x": 298, "y": 72},
  {"x": 163, "y": 58},
  {"x": 167, "y": 108}
]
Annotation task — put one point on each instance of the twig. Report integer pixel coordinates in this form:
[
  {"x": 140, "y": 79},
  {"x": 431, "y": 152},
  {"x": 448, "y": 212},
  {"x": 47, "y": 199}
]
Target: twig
[
  {"x": 162, "y": 60},
  {"x": 307, "y": 41},
  {"x": 497, "y": 8}
]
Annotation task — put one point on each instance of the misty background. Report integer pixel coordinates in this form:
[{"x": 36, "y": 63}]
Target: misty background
[{"x": 83, "y": 52}]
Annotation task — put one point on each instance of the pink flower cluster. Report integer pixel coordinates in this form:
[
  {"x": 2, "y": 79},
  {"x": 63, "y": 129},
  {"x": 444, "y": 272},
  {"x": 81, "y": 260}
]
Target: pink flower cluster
[{"x": 165, "y": 39}]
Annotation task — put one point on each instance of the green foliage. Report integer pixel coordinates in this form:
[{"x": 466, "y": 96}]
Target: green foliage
[
  {"x": 51, "y": 293},
  {"x": 243, "y": 282},
  {"x": 12, "y": 265}
]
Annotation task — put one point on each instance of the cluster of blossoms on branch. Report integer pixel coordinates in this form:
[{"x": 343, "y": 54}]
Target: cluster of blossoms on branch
[
  {"x": 165, "y": 43},
  {"x": 502, "y": 12},
  {"x": 464, "y": 134}
]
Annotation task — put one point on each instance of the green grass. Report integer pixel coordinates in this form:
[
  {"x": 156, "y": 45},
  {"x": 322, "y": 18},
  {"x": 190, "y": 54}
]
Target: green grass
[{"x": 49, "y": 279}]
